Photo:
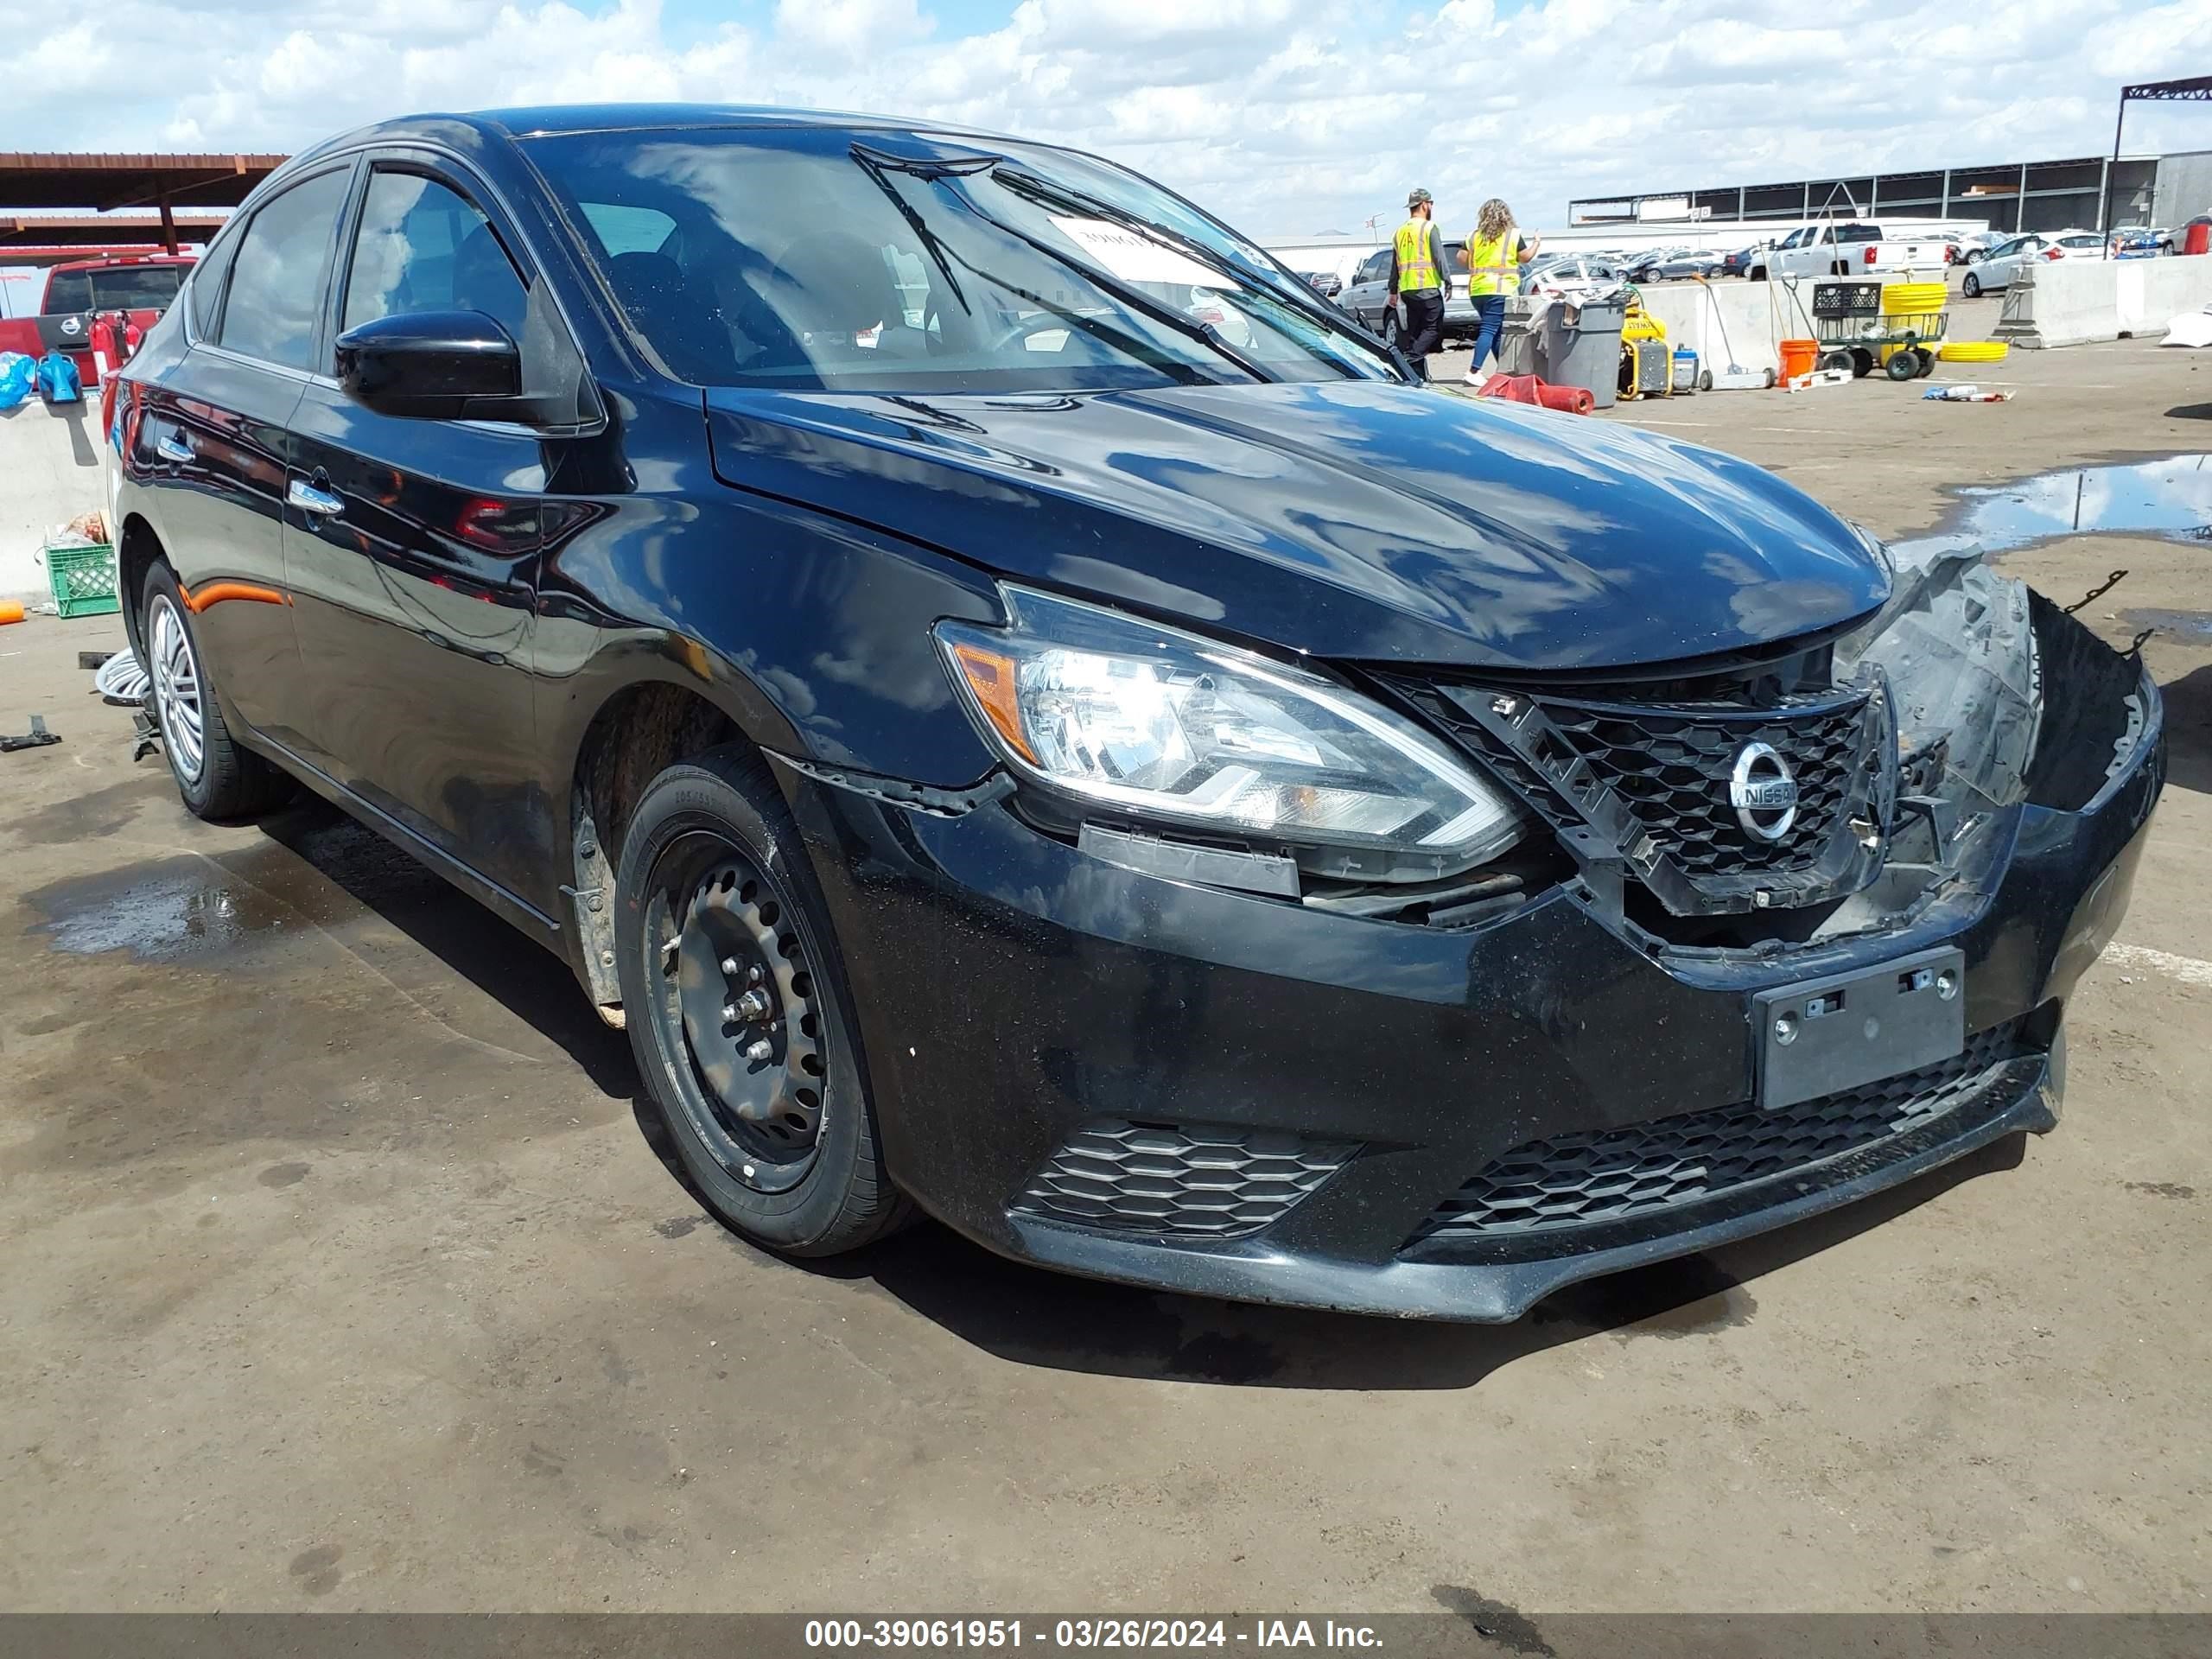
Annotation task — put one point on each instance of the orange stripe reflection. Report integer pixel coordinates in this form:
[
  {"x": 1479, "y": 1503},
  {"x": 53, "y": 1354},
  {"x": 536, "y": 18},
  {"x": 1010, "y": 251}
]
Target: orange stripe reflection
[{"x": 215, "y": 593}]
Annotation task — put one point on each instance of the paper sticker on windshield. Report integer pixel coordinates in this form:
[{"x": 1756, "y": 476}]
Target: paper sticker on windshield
[{"x": 1131, "y": 257}]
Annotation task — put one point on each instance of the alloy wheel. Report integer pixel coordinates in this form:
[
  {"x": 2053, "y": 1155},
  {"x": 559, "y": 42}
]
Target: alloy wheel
[
  {"x": 738, "y": 1003},
  {"x": 177, "y": 691}
]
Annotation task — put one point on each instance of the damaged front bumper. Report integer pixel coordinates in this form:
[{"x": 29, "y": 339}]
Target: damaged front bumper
[{"x": 1150, "y": 1080}]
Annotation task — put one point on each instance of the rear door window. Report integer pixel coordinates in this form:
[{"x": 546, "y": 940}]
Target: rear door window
[
  {"x": 277, "y": 284},
  {"x": 424, "y": 246}
]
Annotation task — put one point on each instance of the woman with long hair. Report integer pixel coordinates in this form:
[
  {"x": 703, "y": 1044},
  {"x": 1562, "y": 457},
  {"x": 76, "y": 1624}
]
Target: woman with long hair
[{"x": 1495, "y": 252}]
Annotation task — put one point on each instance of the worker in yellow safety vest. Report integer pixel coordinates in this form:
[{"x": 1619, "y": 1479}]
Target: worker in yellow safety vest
[
  {"x": 1494, "y": 254},
  {"x": 1419, "y": 280}
]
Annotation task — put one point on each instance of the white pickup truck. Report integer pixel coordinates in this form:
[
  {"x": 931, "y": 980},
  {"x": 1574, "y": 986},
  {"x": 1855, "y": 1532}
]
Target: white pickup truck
[{"x": 1847, "y": 248}]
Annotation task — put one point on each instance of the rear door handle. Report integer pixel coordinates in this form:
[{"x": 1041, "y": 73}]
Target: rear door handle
[
  {"x": 171, "y": 448},
  {"x": 308, "y": 499}
]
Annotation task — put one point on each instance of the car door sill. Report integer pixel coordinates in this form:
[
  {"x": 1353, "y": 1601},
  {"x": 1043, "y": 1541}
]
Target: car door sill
[{"x": 467, "y": 877}]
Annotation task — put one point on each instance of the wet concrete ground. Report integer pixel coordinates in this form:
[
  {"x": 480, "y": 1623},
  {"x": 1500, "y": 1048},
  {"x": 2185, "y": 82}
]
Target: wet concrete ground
[{"x": 334, "y": 1271}]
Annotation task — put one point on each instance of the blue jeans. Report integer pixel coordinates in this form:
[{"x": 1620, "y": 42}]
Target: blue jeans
[{"x": 1490, "y": 313}]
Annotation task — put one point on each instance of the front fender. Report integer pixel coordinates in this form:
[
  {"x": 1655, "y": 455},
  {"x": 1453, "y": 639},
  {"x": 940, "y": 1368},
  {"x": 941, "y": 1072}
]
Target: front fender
[{"x": 811, "y": 633}]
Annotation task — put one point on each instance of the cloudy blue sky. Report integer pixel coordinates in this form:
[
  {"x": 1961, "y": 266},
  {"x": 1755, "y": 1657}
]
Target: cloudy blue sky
[{"x": 1289, "y": 118}]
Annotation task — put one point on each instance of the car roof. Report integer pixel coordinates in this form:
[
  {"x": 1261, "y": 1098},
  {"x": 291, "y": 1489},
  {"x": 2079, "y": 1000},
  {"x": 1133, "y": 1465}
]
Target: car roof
[{"x": 538, "y": 121}]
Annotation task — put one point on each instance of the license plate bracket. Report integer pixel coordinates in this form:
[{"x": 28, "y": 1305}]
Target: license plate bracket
[{"x": 1824, "y": 1035}]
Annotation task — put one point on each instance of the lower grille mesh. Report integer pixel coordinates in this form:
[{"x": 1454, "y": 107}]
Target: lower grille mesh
[
  {"x": 1588, "y": 1179},
  {"x": 1179, "y": 1179}
]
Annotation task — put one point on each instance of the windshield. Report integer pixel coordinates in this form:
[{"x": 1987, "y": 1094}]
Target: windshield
[{"x": 860, "y": 261}]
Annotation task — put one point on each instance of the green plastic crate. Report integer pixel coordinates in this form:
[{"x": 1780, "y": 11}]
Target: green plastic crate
[{"x": 84, "y": 580}]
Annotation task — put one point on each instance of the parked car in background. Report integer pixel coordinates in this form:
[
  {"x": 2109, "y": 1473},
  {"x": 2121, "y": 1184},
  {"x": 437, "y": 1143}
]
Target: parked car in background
[
  {"x": 1327, "y": 284},
  {"x": 1975, "y": 245},
  {"x": 1739, "y": 262},
  {"x": 1367, "y": 296},
  {"x": 2000, "y": 267},
  {"x": 141, "y": 286},
  {"x": 1849, "y": 247},
  {"x": 1689, "y": 262},
  {"x": 2141, "y": 240},
  {"x": 1201, "y": 812}
]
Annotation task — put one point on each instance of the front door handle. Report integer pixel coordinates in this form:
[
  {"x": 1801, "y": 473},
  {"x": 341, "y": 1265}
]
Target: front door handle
[
  {"x": 169, "y": 446},
  {"x": 308, "y": 499}
]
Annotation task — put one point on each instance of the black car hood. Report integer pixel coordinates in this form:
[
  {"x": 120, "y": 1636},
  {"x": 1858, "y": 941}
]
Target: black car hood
[{"x": 1356, "y": 520}]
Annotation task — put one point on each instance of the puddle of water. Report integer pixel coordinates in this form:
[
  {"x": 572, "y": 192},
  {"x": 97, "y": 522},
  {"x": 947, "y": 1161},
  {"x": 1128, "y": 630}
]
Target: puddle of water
[
  {"x": 2183, "y": 625},
  {"x": 176, "y": 909},
  {"x": 2170, "y": 498}
]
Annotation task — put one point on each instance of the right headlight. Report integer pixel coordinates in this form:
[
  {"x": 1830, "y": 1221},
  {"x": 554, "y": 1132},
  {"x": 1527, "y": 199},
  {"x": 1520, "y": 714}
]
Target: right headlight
[{"x": 1186, "y": 732}]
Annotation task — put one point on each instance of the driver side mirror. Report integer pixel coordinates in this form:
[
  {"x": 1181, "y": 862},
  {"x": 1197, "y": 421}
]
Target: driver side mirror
[{"x": 438, "y": 366}]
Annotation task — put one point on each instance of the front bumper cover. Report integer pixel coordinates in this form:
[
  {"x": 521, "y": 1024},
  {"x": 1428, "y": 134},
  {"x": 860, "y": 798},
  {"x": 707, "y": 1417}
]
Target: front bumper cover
[{"x": 1012, "y": 992}]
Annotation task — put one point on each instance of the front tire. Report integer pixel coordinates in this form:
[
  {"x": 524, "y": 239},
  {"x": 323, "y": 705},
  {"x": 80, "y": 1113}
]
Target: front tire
[
  {"x": 740, "y": 1015},
  {"x": 219, "y": 780},
  {"x": 1971, "y": 286},
  {"x": 1390, "y": 328}
]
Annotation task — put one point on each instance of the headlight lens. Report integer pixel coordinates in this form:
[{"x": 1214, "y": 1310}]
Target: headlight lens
[{"x": 1186, "y": 731}]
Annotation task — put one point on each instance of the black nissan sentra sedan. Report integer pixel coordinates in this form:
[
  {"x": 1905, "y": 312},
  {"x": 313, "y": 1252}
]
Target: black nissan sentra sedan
[{"x": 1026, "y": 713}]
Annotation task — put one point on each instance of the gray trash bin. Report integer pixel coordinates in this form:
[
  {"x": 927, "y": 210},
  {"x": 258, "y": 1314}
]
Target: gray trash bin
[
  {"x": 1580, "y": 345},
  {"x": 1516, "y": 340}
]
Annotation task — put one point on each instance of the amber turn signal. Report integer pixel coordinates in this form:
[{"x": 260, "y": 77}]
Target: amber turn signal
[{"x": 990, "y": 676}]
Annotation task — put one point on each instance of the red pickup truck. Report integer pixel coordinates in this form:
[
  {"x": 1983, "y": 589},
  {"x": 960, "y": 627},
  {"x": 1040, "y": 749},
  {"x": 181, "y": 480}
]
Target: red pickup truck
[{"x": 141, "y": 285}]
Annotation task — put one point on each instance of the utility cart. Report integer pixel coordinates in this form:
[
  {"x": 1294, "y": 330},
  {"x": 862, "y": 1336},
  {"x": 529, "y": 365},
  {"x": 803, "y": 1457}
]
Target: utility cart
[{"x": 1857, "y": 332}]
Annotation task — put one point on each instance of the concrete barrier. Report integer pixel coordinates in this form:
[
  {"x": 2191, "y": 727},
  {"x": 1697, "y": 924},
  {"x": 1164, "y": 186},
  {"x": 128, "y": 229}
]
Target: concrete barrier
[
  {"x": 49, "y": 473},
  {"x": 1725, "y": 322},
  {"x": 2077, "y": 301}
]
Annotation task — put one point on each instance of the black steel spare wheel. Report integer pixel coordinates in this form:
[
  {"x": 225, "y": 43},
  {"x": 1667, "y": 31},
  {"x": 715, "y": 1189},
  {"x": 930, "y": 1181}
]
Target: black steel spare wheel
[
  {"x": 738, "y": 1011},
  {"x": 735, "y": 994}
]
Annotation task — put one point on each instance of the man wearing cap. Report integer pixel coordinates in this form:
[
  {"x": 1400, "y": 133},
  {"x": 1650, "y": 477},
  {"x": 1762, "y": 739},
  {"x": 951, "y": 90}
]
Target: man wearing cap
[{"x": 1418, "y": 274}]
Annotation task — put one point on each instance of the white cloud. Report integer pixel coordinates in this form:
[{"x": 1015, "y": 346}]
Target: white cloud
[{"x": 1285, "y": 116}]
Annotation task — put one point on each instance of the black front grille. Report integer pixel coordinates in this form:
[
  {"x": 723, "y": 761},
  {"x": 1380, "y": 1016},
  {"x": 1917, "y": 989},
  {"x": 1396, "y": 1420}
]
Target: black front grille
[
  {"x": 1649, "y": 1170},
  {"x": 1638, "y": 785},
  {"x": 1671, "y": 767},
  {"x": 1179, "y": 1179}
]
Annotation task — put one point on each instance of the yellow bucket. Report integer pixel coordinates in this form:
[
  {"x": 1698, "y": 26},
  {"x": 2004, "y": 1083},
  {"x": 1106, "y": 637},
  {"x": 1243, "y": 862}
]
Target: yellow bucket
[
  {"x": 1914, "y": 299},
  {"x": 1973, "y": 351}
]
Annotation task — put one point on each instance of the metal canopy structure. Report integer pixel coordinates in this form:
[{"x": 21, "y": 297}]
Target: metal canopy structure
[
  {"x": 24, "y": 238},
  {"x": 2196, "y": 89},
  {"x": 33, "y": 185}
]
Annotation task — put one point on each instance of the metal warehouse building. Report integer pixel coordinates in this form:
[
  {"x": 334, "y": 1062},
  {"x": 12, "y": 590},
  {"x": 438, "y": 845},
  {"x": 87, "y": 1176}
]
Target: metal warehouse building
[{"x": 2010, "y": 196}]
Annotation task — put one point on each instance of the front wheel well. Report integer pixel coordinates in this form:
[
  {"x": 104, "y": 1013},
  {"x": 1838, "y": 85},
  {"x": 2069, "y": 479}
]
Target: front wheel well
[{"x": 640, "y": 733}]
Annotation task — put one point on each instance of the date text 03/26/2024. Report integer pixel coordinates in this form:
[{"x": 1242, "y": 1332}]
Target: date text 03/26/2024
[{"x": 995, "y": 1634}]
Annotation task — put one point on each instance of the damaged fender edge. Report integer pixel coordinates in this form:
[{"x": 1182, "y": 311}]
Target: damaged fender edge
[{"x": 994, "y": 786}]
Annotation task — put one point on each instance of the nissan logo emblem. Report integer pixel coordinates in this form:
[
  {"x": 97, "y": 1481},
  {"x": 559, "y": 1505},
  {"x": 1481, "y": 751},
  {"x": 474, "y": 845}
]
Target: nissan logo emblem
[
  {"x": 1763, "y": 793},
  {"x": 73, "y": 325}
]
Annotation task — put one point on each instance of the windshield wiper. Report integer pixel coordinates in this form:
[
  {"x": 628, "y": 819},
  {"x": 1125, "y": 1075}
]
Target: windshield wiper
[
  {"x": 878, "y": 162},
  {"x": 1047, "y": 193},
  {"x": 926, "y": 166}
]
